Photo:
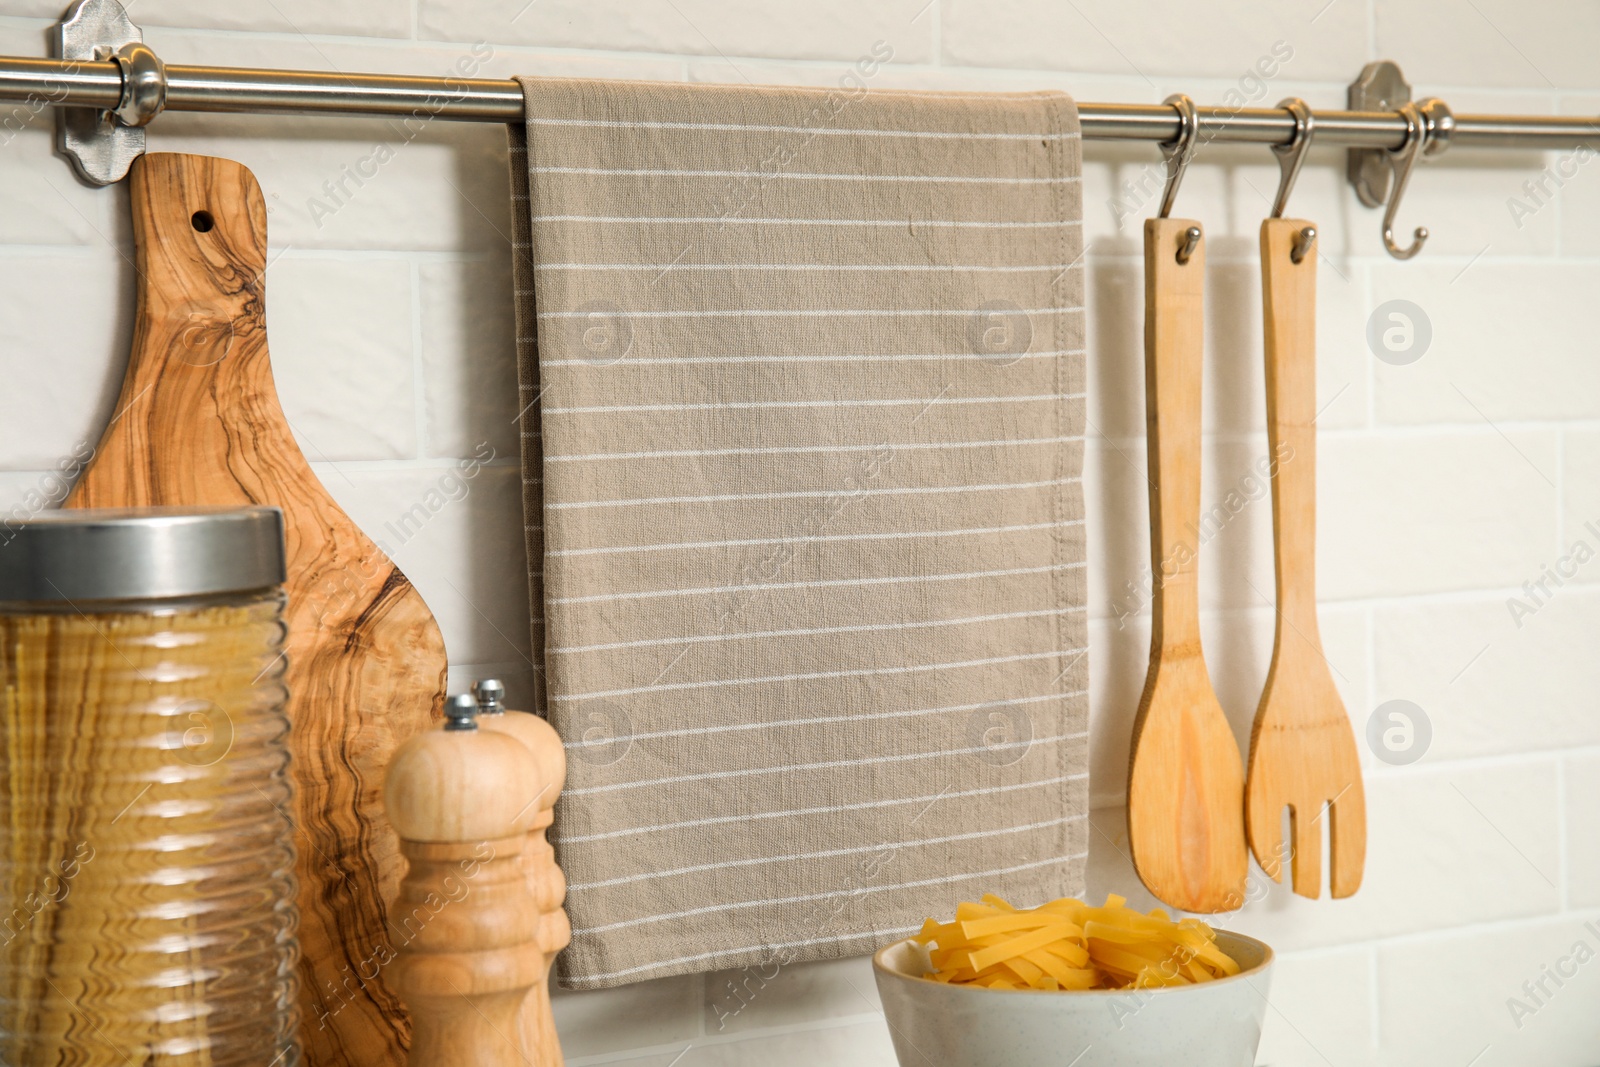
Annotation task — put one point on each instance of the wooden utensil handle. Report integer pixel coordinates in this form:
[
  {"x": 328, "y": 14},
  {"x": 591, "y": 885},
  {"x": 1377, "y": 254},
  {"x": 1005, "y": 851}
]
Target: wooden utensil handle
[
  {"x": 1174, "y": 310},
  {"x": 1289, "y": 305}
]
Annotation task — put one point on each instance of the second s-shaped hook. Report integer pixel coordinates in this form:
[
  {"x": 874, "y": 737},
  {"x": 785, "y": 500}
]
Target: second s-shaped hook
[{"x": 1428, "y": 128}]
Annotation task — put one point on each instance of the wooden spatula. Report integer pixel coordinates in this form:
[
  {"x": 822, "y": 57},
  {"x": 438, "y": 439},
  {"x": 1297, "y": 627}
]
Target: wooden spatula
[
  {"x": 199, "y": 423},
  {"x": 1302, "y": 750},
  {"x": 1185, "y": 782}
]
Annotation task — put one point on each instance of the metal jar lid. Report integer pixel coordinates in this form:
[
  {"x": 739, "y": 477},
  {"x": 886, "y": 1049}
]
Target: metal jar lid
[{"x": 140, "y": 553}]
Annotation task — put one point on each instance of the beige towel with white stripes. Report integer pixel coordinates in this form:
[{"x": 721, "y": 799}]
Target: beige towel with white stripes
[{"x": 802, "y": 376}]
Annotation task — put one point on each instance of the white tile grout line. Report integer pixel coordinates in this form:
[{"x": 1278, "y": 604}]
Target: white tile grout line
[
  {"x": 1372, "y": 364},
  {"x": 1374, "y": 1000},
  {"x": 1370, "y": 614},
  {"x": 1562, "y": 850},
  {"x": 1560, "y": 204},
  {"x": 1561, "y": 490},
  {"x": 1447, "y": 933}
]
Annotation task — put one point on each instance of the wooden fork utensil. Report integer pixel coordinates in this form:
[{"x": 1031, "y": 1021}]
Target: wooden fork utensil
[{"x": 1302, "y": 749}]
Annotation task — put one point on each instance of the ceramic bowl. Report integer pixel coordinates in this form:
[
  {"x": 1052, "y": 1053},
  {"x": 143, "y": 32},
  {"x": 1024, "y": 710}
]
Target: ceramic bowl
[{"x": 1211, "y": 1024}]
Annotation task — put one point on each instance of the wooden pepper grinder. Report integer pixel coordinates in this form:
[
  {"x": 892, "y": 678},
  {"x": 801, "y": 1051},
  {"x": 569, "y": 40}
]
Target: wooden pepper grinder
[
  {"x": 458, "y": 797},
  {"x": 545, "y": 880}
]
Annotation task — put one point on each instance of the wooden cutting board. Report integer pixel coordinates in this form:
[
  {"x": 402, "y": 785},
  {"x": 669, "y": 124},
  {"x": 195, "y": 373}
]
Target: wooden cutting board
[{"x": 199, "y": 422}]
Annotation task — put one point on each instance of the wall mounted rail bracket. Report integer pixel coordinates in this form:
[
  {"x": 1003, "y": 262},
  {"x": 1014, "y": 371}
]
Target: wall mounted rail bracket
[
  {"x": 1381, "y": 87},
  {"x": 102, "y": 144}
]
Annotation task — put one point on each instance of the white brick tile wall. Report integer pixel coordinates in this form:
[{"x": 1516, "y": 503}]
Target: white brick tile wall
[
  {"x": 1117, "y": 662},
  {"x": 1506, "y": 342},
  {"x": 833, "y": 29},
  {"x": 363, "y": 183},
  {"x": 740, "y": 1001},
  {"x": 342, "y": 351},
  {"x": 1453, "y": 997},
  {"x": 1469, "y": 663},
  {"x": 468, "y": 357},
  {"x": 663, "y": 1011},
  {"x": 1498, "y": 45},
  {"x": 24, "y": 493},
  {"x": 1157, "y": 38},
  {"x": 1569, "y": 185},
  {"x": 1462, "y": 198},
  {"x": 1446, "y": 847},
  {"x": 361, "y": 18},
  {"x": 1422, "y": 513},
  {"x": 1114, "y": 298},
  {"x": 1581, "y": 776},
  {"x": 458, "y": 537},
  {"x": 1234, "y": 400},
  {"x": 862, "y": 1042},
  {"x": 1319, "y": 1012},
  {"x": 1445, "y": 485},
  {"x": 49, "y": 208},
  {"x": 63, "y": 359},
  {"x": 1580, "y": 506}
]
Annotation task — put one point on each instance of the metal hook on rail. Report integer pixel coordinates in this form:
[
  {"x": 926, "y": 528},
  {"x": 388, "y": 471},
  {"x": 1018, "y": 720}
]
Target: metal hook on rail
[
  {"x": 1290, "y": 157},
  {"x": 1403, "y": 159},
  {"x": 1177, "y": 153},
  {"x": 1293, "y": 154}
]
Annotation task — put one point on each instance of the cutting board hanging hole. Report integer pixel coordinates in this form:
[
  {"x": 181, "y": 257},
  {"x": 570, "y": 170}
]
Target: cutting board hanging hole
[{"x": 203, "y": 221}]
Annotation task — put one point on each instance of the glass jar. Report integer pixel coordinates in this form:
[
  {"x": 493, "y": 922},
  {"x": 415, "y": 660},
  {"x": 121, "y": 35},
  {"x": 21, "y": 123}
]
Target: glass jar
[{"x": 147, "y": 892}]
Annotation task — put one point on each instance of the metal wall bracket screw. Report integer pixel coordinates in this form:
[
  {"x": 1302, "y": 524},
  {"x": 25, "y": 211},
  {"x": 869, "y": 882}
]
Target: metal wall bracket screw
[{"x": 99, "y": 145}]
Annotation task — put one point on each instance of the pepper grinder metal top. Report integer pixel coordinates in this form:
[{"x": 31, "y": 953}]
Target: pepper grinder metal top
[
  {"x": 461, "y": 713},
  {"x": 491, "y": 694}
]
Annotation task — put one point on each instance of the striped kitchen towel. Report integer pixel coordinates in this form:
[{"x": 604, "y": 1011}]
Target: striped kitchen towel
[{"x": 802, "y": 382}]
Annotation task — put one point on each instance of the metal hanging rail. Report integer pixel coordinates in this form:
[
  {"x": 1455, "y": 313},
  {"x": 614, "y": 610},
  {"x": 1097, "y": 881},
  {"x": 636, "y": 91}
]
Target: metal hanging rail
[
  {"x": 108, "y": 85},
  {"x": 99, "y": 85}
]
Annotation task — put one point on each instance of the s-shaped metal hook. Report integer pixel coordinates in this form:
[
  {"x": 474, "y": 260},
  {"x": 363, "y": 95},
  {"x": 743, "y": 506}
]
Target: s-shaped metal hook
[
  {"x": 1177, "y": 153},
  {"x": 1403, "y": 159},
  {"x": 1290, "y": 157}
]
